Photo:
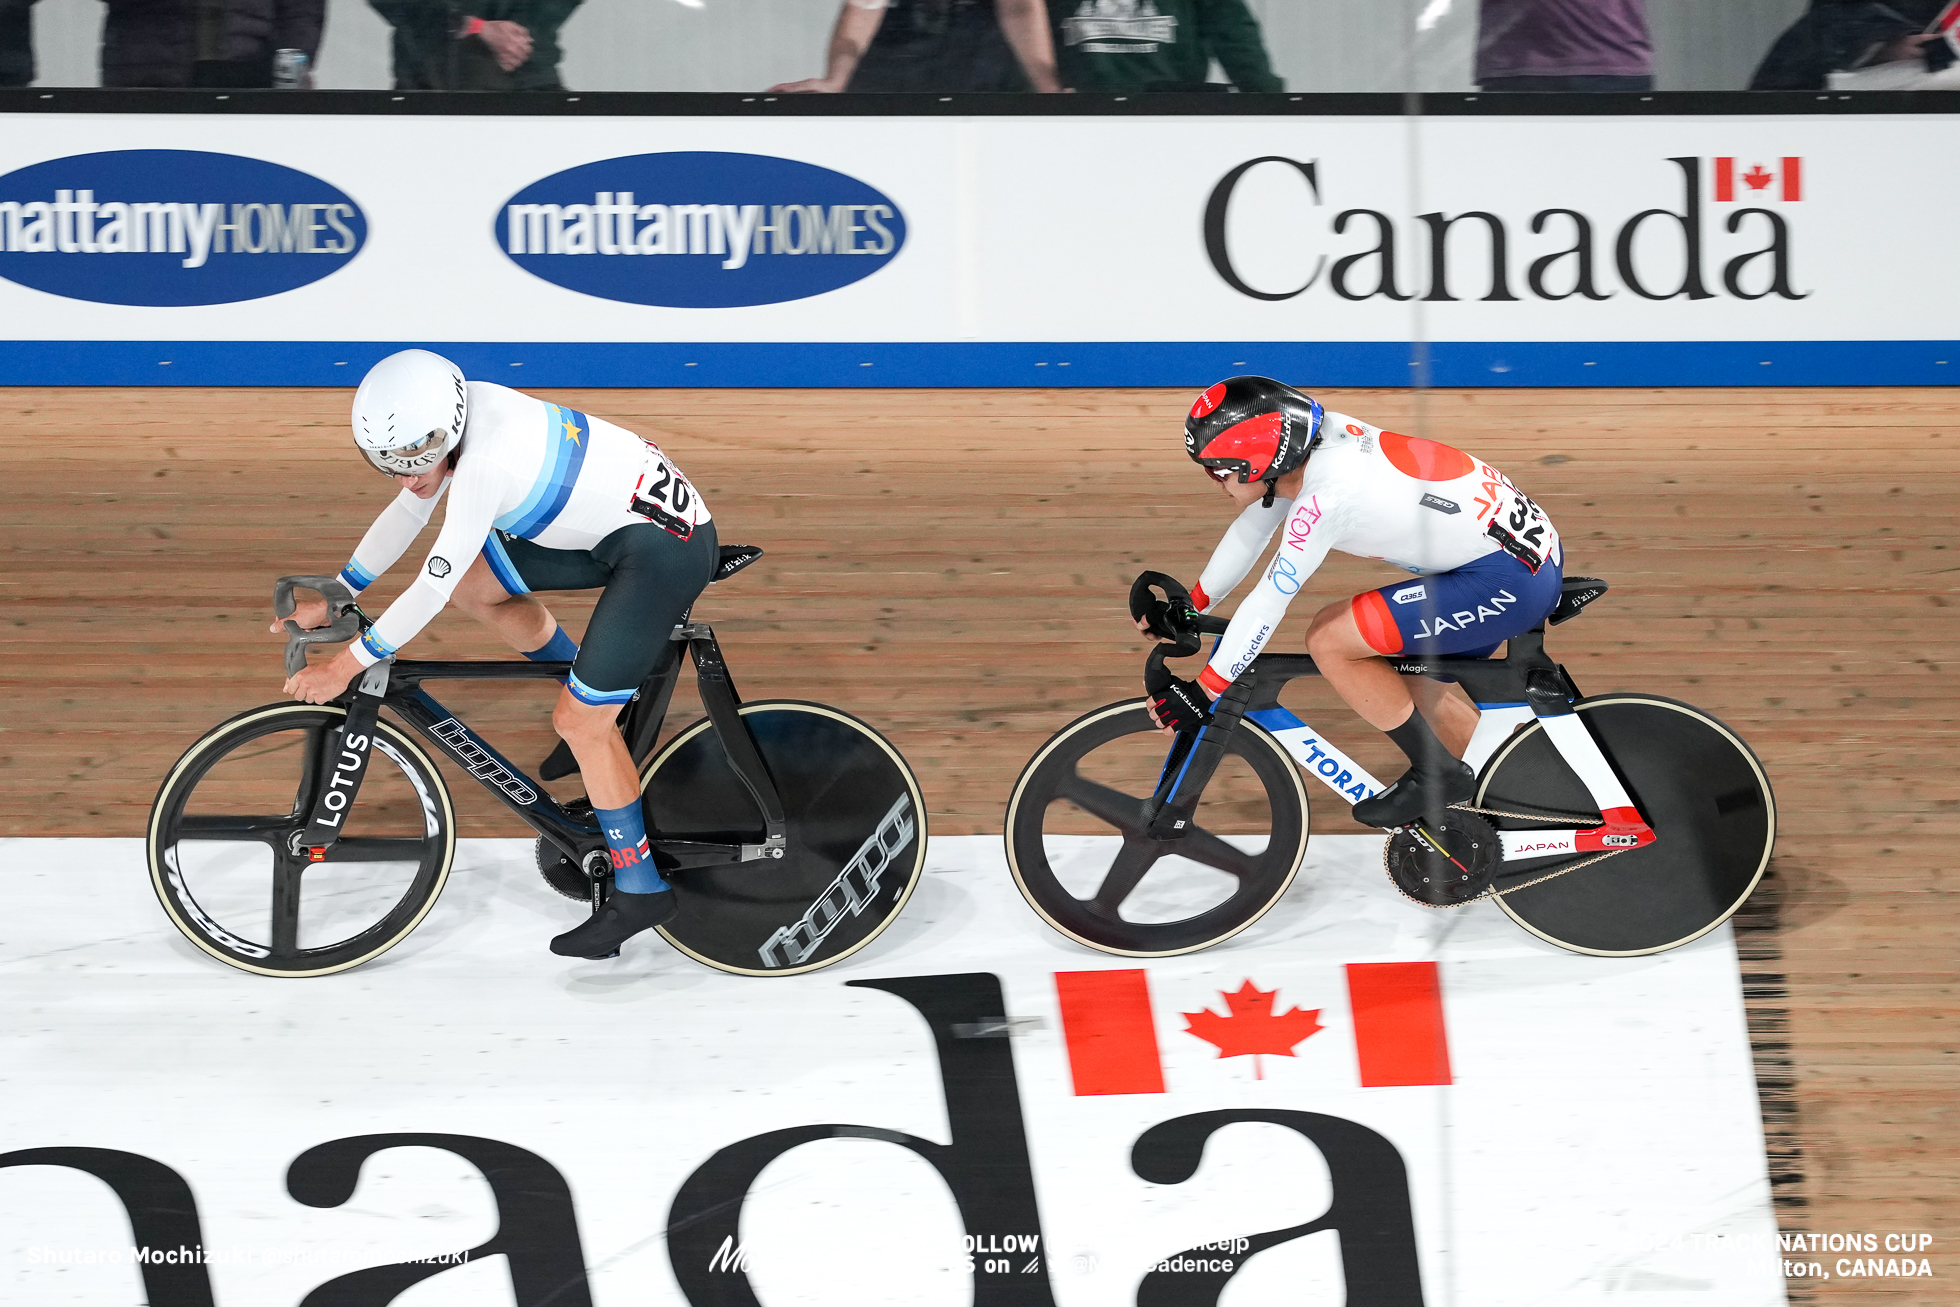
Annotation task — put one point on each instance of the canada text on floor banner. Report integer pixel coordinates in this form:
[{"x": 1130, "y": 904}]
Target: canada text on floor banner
[
  {"x": 295, "y": 249},
  {"x": 1356, "y": 1100}
]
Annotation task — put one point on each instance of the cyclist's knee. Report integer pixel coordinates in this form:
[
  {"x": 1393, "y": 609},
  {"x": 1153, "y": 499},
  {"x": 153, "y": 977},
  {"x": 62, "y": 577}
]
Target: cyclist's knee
[
  {"x": 479, "y": 591},
  {"x": 575, "y": 720},
  {"x": 1333, "y": 634}
]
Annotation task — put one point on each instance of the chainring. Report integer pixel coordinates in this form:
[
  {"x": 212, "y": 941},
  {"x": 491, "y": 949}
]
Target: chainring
[
  {"x": 561, "y": 873},
  {"x": 1443, "y": 864}
]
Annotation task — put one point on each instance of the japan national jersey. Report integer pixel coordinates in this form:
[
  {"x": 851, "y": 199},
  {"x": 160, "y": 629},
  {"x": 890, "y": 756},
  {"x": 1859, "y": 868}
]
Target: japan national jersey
[
  {"x": 531, "y": 469},
  {"x": 1423, "y": 506}
]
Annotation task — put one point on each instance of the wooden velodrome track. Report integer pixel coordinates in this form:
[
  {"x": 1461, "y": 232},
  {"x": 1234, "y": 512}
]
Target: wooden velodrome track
[{"x": 952, "y": 566}]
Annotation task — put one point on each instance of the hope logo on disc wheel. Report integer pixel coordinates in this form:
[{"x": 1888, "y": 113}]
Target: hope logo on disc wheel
[{"x": 1443, "y": 864}]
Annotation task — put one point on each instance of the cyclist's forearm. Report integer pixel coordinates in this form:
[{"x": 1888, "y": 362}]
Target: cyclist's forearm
[
  {"x": 385, "y": 542},
  {"x": 1309, "y": 537},
  {"x": 1244, "y": 541}
]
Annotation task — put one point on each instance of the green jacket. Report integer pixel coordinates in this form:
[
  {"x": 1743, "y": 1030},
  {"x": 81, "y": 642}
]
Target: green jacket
[
  {"x": 1158, "y": 45},
  {"x": 429, "y": 57}
]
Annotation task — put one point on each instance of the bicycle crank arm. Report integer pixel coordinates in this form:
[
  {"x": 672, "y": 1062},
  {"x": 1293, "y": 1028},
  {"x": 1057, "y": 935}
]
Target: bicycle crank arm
[{"x": 694, "y": 855}]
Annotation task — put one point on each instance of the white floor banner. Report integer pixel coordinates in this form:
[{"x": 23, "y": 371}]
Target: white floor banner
[{"x": 1357, "y": 1100}]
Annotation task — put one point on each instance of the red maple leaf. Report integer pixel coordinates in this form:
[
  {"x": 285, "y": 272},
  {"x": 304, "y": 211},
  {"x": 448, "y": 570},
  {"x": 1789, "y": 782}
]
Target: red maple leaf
[
  {"x": 1757, "y": 178},
  {"x": 1251, "y": 1027}
]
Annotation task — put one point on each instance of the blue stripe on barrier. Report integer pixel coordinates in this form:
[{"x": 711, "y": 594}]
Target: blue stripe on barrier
[{"x": 1100, "y": 363}]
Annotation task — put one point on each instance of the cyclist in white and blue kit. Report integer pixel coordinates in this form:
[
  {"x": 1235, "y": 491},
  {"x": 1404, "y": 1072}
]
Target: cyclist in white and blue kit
[{"x": 541, "y": 497}]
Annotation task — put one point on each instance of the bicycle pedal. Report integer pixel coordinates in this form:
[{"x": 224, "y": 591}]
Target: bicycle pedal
[{"x": 1445, "y": 863}]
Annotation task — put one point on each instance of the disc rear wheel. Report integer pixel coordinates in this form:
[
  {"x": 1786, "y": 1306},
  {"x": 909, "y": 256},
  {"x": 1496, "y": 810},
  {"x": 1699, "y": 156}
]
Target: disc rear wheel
[
  {"x": 855, "y": 840},
  {"x": 1698, "y": 786}
]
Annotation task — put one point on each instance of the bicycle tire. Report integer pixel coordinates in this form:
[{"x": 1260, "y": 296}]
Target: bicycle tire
[
  {"x": 1697, "y": 784},
  {"x": 853, "y": 814},
  {"x": 395, "y": 756},
  {"x": 1055, "y": 769}
]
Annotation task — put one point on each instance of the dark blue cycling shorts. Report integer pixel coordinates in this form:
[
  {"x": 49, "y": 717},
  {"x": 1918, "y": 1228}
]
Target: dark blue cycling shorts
[
  {"x": 1466, "y": 612},
  {"x": 650, "y": 578}
]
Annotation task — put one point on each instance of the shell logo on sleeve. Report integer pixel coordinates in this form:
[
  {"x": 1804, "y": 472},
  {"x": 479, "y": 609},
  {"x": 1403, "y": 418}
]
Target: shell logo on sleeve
[
  {"x": 700, "y": 229},
  {"x": 172, "y": 228}
]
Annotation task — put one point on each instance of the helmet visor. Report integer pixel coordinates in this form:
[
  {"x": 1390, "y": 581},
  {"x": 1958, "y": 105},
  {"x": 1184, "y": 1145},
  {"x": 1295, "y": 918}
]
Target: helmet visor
[{"x": 408, "y": 460}]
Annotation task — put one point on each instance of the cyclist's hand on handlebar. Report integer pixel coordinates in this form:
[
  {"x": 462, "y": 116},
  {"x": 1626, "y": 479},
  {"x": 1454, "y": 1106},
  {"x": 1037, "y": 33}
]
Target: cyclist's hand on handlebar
[
  {"x": 1178, "y": 705},
  {"x": 320, "y": 682},
  {"x": 310, "y": 614}
]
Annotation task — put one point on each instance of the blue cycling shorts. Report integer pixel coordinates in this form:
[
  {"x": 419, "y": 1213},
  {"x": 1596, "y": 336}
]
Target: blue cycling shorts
[{"x": 1466, "y": 612}]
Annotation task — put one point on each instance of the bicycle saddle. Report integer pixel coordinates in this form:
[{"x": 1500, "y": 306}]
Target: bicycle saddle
[
  {"x": 1575, "y": 594},
  {"x": 733, "y": 558}
]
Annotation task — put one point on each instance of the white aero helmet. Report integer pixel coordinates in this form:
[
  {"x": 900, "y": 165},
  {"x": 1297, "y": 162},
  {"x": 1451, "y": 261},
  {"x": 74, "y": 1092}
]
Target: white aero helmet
[{"x": 410, "y": 411}]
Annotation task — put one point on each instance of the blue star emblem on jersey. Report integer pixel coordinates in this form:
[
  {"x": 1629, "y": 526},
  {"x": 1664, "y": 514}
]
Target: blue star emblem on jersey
[{"x": 564, "y": 456}]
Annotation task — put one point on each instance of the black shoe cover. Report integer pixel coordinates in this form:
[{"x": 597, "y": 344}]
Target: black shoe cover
[
  {"x": 560, "y": 764},
  {"x": 624, "y": 916},
  {"x": 1416, "y": 795}
]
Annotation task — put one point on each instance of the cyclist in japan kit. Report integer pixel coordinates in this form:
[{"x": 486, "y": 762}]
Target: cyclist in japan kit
[
  {"x": 1484, "y": 563},
  {"x": 541, "y": 497}
]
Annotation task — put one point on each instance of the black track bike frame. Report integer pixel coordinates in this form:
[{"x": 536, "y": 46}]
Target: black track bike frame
[
  {"x": 1526, "y": 673},
  {"x": 577, "y": 834}
]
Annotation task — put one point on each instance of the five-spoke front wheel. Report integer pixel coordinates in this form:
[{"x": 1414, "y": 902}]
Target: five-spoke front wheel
[
  {"x": 226, "y": 855},
  {"x": 1078, "y": 849}
]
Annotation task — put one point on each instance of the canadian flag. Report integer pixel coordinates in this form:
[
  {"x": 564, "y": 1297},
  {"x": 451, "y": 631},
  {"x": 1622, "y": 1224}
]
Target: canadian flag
[
  {"x": 1110, "y": 1027},
  {"x": 1757, "y": 179}
]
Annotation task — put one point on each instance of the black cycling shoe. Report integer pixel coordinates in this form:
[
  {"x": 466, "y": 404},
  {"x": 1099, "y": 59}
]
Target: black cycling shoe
[
  {"x": 1416, "y": 795},
  {"x": 560, "y": 764},
  {"x": 624, "y": 916}
]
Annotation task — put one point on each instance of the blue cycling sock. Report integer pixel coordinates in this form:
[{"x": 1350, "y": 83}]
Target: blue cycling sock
[
  {"x": 632, "y": 858},
  {"x": 560, "y": 648}
]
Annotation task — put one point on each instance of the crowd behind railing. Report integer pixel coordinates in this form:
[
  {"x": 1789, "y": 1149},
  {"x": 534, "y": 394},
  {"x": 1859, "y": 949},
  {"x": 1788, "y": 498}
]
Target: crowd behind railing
[{"x": 952, "y": 46}]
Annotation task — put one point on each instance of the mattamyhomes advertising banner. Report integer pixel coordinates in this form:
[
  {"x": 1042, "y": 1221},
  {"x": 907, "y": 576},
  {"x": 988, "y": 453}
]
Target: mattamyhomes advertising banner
[{"x": 1775, "y": 249}]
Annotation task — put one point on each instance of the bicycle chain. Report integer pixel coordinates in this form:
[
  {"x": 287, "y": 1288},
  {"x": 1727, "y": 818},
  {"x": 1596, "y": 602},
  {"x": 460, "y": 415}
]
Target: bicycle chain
[
  {"x": 1575, "y": 818},
  {"x": 1494, "y": 892}
]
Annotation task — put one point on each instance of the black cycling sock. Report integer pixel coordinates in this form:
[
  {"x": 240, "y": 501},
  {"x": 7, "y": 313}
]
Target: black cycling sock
[{"x": 1426, "y": 752}]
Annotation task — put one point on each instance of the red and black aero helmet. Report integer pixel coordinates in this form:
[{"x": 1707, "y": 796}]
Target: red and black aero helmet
[{"x": 1254, "y": 426}]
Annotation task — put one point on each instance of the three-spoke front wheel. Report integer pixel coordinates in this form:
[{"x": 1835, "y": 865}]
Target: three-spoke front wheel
[
  {"x": 226, "y": 854},
  {"x": 1078, "y": 849}
]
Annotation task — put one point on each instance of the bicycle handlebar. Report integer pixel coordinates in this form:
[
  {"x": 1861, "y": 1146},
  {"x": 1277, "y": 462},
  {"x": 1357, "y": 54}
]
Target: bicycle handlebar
[
  {"x": 344, "y": 623},
  {"x": 1173, "y": 618}
]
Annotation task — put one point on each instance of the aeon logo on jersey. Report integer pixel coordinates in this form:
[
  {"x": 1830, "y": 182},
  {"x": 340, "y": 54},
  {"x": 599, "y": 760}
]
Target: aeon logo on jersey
[
  {"x": 169, "y": 228},
  {"x": 700, "y": 230}
]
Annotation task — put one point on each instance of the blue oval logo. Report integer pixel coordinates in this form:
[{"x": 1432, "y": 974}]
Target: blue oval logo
[
  {"x": 700, "y": 230},
  {"x": 169, "y": 228}
]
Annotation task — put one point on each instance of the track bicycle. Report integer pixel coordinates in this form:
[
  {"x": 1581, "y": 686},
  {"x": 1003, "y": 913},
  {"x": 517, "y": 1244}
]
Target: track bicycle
[
  {"x": 302, "y": 840},
  {"x": 1618, "y": 824}
]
